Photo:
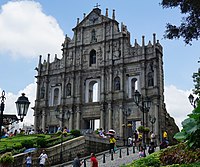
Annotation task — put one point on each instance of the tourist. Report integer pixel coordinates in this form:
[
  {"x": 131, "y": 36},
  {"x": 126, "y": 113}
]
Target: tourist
[
  {"x": 164, "y": 143},
  {"x": 151, "y": 148},
  {"x": 93, "y": 160},
  {"x": 101, "y": 133},
  {"x": 141, "y": 152},
  {"x": 43, "y": 158},
  {"x": 65, "y": 130},
  {"x": 58, "y": 128},
  {"x": 165, "y": 135},
  {"x": 31, "y": 132},
  {"x": 77, "y": 162},
  {"x": 112, "y": 142},
  {"x": 28, "y": 160},
  {"x": 153, "y": 138},
  {"x": 136, "y": 136}
]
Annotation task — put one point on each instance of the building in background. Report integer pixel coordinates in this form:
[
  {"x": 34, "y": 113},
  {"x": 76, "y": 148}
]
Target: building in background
[{"x": 96, "y": 78}]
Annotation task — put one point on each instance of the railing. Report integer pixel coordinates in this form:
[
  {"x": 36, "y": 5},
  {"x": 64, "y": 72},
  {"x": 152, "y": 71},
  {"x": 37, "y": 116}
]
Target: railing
[{"x": 105, "y": 157}]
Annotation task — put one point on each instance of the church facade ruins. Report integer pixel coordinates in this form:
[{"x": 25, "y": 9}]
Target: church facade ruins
[{"x": 94, "y": 82}]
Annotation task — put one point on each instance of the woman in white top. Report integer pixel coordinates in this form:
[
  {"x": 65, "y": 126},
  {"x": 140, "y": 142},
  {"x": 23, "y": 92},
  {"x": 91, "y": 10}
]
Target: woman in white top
[{"x": 28, "y": 161}]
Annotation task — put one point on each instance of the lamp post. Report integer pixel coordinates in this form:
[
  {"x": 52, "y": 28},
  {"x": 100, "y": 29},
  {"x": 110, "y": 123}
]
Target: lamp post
[
  {"x": 193, "y": 101},
  {"x": 62, "y": 118},
  {"x": 126, "y": 114},
  {"x": 22, "y": 105},
  {"x": 2, "y": 109},
  {"x": 144, "y": 104},
  {"x": 152, "y": 120}
]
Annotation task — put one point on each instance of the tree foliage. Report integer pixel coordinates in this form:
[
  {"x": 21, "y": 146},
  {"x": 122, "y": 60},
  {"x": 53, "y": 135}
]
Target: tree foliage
[
  {"x": 189, "y": 29},
  {"x": 191, "y": 126},
  {"x": 191, "y": 129},
  {"x": 196, "y": 80}
]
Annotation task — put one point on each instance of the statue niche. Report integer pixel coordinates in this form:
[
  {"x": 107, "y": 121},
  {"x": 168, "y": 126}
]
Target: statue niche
[
  {"x": 150, "y": 75},
  {"x": 68, "y": 90}
]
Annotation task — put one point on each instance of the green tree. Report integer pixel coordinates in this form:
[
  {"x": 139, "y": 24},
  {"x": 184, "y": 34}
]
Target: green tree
[
  {"x": 191, "y": 126},
  {"x": 196, "y": 80},
  {"x": 189, "y": 28}
]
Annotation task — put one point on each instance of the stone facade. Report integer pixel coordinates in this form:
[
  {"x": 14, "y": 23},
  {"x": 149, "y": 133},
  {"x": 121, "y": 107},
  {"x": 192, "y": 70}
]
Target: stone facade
[{"x": 96, "y": 78}]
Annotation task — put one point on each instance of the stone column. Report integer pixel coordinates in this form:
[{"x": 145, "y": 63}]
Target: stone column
[
  {"x": 155, "y": 75},
  {"x": 121, "y": 121},
  {"x": 111, "y": 80},
  {"x": 70, "y": 120},
  {"x": 102, "y": 85},
  {"x": 92, "y": 124},
  {"x": 43, "y": 120},
  {"x": 102, "y": 119},
  {"x": 156, "y": 125},
  {"x": 78, "y": 116},
  {"x": 109, "y": 116},
  {"x": 35, "y": 121}
]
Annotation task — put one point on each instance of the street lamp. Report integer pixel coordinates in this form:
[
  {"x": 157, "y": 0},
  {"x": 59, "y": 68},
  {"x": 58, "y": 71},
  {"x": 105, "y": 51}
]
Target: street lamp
[
  {"x": 62, "y": 118},
  {"x": 126, "y": 114},
  {"x": 2, "y": 109},
  {"x": 144, "y": 104},
  {"x": 193, "y": 101},
  {"x": 152, "y": 120},
  {"x": 22, "y": 105}
]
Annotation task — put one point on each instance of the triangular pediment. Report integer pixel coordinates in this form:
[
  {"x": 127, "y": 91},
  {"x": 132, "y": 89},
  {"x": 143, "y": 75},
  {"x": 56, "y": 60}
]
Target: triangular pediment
[{"x": 94, "y": 17}]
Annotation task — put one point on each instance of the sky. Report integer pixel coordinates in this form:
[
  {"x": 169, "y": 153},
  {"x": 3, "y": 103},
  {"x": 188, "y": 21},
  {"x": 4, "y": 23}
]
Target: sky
[{"x": 29, "y": 28}]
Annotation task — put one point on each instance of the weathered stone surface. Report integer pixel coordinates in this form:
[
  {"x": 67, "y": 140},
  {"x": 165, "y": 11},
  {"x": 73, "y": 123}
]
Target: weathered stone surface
[{"x": 96, "y": 78}]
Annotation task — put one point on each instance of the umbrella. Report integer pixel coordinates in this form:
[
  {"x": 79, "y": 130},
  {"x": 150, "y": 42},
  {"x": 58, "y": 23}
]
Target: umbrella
[
  {"x": 112, "y": 131},
  {"x": 30, "y": 150},
  {"x": 111, "y": 134}
]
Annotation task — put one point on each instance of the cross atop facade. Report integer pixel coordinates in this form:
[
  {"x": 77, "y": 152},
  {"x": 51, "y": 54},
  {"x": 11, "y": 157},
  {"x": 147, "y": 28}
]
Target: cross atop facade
[{"x": 97, "y": 5}]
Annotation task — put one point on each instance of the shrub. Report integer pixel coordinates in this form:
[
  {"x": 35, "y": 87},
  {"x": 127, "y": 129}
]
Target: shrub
[
  {"x": 179, "y": 154},
  {"x": 58, "y": 133},
  {"x": 41, "y": 142},
  {"x": 17, "y": 146},
  {"x": 151, "y": 160},
  {"x": 7, "y": 158},
  {"x": 75, "y": 132},
  {"x": 191, "y": 129},
  {"x": 65, "y": 134},
  {"x": 140, "y": 129},
  {"x": 146, "y": 130},
  {"x": 27, "y": 143},
  {"x": 96, "y": 131}
]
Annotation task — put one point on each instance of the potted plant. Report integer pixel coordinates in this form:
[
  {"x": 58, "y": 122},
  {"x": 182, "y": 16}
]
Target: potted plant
[
  {"x": 141, "y": 129},
  {"x": 146, "y": 130},
  {"x": 6, "y": 159}
]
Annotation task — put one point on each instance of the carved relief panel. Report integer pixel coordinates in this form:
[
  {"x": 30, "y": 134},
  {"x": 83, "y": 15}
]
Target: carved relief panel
[
  {"x": 70, "y": 58},
  {"x": 78, "y": 57},
  {"x": 116, "y": 50}
]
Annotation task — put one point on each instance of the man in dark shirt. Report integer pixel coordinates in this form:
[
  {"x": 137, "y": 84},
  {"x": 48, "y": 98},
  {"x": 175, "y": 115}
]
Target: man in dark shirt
[{"x": 77, "y": 162}]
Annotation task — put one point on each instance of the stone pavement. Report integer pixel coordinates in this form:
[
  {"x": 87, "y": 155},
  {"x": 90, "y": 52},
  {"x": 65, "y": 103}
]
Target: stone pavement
[{"x": 117, "y": 161}]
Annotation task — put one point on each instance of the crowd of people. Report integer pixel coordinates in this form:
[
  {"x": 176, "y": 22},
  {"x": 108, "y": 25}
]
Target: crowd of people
[
  {"x": 10, "y": 133},
  {"x": 6, "y": 132},
  {"x": 136, "y": 140}
]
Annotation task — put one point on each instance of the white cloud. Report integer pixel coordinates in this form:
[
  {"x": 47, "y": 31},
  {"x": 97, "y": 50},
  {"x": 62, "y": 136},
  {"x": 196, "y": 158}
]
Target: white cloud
[
  {"x": 27, "y": 32},
  {"x": 177, "y": 103}
]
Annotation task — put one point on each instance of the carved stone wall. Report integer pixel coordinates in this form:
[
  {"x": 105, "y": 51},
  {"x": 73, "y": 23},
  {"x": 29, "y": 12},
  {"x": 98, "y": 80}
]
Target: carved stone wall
[{"x": 100, "y": 54}]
